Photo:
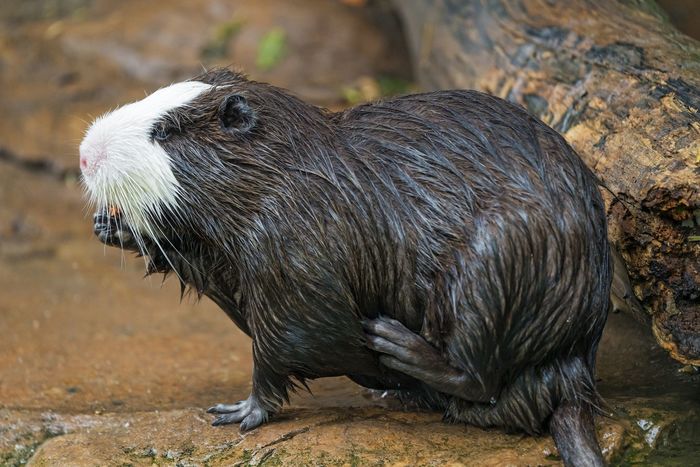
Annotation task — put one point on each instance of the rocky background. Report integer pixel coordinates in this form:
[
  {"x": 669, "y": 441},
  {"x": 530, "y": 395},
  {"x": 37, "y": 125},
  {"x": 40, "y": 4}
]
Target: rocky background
[{"x": 99, "y": 366}]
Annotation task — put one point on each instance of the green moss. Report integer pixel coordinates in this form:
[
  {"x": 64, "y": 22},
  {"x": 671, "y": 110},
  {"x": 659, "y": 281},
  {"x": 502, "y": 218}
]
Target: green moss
[
  {"x": 658, "y": 437},
  {"x": 246, "y": 456},
  {"x": 355, "y": 460},
  {"x": 274, "y": 460},
  {"x": 20, "y": 455}
]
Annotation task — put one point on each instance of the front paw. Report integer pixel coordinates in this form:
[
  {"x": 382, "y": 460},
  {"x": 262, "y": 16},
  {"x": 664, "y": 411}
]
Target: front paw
[
  {"x": 112, "y": 231},
  {"x": 249, "y": 413}
]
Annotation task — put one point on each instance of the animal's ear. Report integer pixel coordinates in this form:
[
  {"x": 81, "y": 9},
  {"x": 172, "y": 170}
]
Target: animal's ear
[{"x": 236, "y": 115}]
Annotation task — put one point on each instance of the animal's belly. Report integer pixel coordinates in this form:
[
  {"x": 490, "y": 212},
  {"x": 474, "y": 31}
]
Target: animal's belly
[
  {"x": 386, "y": 381},
  {"x": 357, "y": 362}
]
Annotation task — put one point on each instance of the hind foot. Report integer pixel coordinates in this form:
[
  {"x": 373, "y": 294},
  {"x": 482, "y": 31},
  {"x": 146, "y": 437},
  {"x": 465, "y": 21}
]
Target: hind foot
[
  {"x": 407, "y": 352},
  {"x": 249, "y": 413}
]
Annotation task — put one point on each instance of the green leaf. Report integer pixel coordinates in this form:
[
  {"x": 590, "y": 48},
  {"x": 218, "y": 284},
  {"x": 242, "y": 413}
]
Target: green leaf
[
  {"x": 271, "y": 49},
  {"x": 352, "y": 96}
]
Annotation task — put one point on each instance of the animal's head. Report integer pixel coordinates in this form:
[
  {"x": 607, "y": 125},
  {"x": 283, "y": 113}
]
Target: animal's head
[{"x": 191, "y": 155}]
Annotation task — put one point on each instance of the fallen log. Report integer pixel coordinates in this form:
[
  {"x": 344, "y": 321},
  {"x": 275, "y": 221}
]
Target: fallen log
[{"x": 623, "y": 87}]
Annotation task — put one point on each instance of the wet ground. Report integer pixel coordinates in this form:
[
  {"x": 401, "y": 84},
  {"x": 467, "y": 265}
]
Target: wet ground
[{"x": 100, "y": 366}]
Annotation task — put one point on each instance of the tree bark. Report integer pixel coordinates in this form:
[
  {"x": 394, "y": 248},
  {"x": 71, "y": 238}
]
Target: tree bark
[{"x": 623, "y": 87}]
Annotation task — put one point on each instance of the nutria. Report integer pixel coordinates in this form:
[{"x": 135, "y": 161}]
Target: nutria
[{"x": 447, "y": 245}]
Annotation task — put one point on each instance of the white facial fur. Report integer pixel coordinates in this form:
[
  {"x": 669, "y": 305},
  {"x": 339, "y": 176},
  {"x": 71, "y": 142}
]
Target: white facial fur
[{"x": 122, "y": 167}]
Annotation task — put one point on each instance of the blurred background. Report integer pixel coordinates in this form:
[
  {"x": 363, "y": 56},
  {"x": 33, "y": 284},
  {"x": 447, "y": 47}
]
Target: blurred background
[{"x": 98, "y": 365}]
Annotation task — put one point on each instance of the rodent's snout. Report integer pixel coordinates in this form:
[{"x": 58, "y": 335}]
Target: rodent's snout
[
  {"x": 91, "y": 156},
  {"x": 125, "y": 166}
]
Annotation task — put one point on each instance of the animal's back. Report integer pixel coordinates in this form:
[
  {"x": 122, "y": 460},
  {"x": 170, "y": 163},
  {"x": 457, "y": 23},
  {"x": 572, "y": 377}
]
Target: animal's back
[{"x": 465, "y": 148}]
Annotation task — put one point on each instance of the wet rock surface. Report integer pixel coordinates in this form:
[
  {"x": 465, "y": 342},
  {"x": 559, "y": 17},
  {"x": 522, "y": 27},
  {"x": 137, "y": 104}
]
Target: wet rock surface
[{"x": 99, "y": 366}]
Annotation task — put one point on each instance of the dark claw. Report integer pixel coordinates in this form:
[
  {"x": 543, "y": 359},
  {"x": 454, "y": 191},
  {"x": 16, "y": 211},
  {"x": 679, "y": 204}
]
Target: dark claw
[
  {"x": 254, "y": 420},
  {"x": 228, "y": 418}
]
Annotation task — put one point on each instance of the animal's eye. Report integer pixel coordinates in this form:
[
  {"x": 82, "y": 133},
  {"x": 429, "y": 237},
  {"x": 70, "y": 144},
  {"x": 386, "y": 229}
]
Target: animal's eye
[{"x": 160, "y": 132}]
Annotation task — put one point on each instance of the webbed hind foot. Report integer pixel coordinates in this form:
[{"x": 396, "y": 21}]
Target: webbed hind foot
[{"x": 405, "y": 351}]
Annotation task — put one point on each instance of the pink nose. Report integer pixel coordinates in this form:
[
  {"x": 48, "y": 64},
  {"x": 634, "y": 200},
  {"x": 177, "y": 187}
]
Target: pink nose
[{"x": 90, "y": 158}]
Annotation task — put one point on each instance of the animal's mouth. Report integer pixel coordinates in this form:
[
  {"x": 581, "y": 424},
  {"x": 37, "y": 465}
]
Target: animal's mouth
[{"x": 111, "y": 228}]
